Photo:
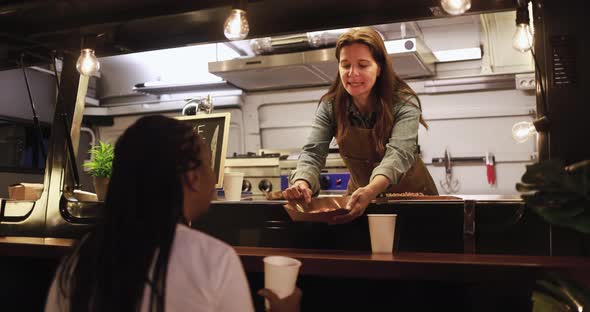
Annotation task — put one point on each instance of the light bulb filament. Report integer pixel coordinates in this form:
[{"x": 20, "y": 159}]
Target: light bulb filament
[
  {"x": 522, "y": 131},
  {"x": 523, "y": 39},
  {"x": 87, "y": 63},
  {"x": 236, "y": 26},
  {"x": 455, "y": 7}
]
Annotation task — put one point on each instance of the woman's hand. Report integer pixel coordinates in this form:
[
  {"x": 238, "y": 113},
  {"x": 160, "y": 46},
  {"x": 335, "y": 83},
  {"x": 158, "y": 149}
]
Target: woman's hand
[
  {"x": 361, "y": 198},
  {"x": 356, "y": 205},
  {"x": 300, "y": 190},
  {"x": 290, "y": 303}
]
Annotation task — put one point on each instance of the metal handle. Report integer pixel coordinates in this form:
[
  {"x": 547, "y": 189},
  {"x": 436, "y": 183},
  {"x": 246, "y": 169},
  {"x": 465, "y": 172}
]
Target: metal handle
[
  {"x": 469, "y": 226},
  {"x": 440, "y": 161},
  {"x": 275, "y": 225}
]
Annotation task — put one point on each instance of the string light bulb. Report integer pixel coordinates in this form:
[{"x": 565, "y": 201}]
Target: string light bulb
[
  {"x": 236, "y": 25},
  {"x": 523, "y": 39},
  {"x": 455, "y": 7},
  {"x": 87, "y": 63},
  {"x": 522, "y": 131}
]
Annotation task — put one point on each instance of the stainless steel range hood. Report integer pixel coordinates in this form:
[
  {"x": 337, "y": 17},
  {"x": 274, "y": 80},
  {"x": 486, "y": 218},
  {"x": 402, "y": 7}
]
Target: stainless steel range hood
[{"x": 410, "y": 57}]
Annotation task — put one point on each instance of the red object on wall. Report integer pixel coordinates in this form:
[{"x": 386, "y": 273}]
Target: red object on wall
[{"x": 490, "y": 169}]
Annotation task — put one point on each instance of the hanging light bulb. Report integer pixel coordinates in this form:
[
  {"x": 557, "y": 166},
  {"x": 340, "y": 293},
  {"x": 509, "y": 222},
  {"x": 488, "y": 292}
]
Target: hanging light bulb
[
  {"x": 522, "y": 39},
  {"x": 455, "y": 7},
  {"x": 87, "y": 63},
  {"x": 236, "y": 26},
  {"x": 522, "y": 131}
]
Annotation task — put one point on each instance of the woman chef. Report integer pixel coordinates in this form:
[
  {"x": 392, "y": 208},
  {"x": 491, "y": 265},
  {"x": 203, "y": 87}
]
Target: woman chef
[{"x": 374, "y": 116}]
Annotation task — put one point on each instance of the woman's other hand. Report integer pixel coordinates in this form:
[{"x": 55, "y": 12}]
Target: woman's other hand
[
  {"x": 358, "y": 202},
  {"x": 300, "y": 190},
  {"x": 290, "y": 303},
  {"x": 361, "y": 198}
]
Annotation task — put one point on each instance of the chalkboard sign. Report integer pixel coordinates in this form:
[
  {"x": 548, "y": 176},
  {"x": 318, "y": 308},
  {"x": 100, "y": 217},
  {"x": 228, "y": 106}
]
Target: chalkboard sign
[{"x": 213, "y": 128}]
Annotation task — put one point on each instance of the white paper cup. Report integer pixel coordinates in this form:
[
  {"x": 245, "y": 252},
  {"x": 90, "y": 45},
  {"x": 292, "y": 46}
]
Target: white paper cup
[
  {"x": 382, "y": 231},
  {"x": 232, "y": 185},
  {"x": 280, "y": 275}
]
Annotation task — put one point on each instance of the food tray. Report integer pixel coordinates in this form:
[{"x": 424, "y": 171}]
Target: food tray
[{"x": 319, "y": 210}]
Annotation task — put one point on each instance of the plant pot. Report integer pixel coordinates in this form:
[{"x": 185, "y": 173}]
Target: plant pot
[{"x": 101, "y": 185}]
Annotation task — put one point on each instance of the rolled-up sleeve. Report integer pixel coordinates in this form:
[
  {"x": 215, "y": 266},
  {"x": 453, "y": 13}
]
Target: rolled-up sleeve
[
  {"x": 401, "y": 147},
  {"x": 314, "y": 153}
]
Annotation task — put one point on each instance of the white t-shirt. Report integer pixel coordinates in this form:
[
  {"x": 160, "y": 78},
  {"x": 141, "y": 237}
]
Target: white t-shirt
[{"x": 204, "y": 274}]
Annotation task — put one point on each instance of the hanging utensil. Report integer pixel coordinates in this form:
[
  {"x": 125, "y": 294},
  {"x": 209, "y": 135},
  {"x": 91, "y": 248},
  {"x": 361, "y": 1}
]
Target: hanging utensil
[
  {"x": 490, "y": 169},
  {"x": 450, "y": 184}
]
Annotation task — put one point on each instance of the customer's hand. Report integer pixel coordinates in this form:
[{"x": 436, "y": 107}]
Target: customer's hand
[
  {"x": 300, "y": 190},
  {"x": 291, "y": 303},
  {"x": 356, "y": 205}
]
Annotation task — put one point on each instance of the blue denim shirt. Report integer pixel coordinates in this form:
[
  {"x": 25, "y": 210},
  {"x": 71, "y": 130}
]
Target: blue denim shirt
[{"x": 400, "y": 149}]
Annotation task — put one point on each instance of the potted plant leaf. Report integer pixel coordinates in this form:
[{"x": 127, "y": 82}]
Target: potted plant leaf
[
  {"x": 561, "y": 196},
  {"x": 100, "y": 167}
]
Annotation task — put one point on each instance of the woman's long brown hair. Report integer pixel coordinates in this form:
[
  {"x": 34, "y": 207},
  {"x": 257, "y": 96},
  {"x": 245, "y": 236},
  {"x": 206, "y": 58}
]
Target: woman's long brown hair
[{"x": 389, "y": 88}]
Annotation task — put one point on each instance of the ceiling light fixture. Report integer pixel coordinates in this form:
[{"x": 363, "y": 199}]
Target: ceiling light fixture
[
  {"x": 236, "y": 25},
  {"x": 455, "y": 7}
]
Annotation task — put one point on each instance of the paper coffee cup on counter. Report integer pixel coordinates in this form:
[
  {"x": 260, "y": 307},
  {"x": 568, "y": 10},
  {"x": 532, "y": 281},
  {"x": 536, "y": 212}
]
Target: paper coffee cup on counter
[
  {"x": 280, "y": 275},
  {"x": 232, "y": 185},
  {"x": 382, "y": 232}
]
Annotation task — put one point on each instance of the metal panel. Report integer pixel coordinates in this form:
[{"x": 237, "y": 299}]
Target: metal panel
[
  {"x": 470, "y": 83},
  {"x": 275, "y": 77},
  {"x": 410, "y": 58}
]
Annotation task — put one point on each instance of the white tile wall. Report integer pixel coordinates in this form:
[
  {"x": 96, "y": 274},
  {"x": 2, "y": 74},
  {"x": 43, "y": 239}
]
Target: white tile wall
[{"x": 467, "y": 124}]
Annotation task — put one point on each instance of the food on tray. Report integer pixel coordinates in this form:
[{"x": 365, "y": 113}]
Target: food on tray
[
  {"x": 321, "y": 210},
  {"x": 415, "y": 196},
  {"x": 278, "y": 195},
  {"x": 404, "y": 194}
]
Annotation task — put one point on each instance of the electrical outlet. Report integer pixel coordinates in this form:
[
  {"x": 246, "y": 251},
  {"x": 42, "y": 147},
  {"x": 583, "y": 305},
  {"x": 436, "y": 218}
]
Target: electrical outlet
[{"x": 525, "y": 81}]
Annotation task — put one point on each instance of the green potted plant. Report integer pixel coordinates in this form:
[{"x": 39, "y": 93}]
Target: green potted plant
[
  {"x": 100, "y": 167},
  {"x": 561, "y": 196}
]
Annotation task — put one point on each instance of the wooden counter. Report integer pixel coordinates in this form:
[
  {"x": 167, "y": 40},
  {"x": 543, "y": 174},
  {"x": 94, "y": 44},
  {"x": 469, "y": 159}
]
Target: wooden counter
[
  {"x": 350, "y": 264},
  {"x": 35, "y": 247},
  {"x": 421, "y": 266}
]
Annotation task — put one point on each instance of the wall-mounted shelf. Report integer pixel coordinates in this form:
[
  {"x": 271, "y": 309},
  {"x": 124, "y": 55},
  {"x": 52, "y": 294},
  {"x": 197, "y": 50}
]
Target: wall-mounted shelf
[{"x": 159, "y": 88}]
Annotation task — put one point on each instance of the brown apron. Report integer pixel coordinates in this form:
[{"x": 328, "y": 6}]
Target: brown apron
[{"x": 359, "y": 152}]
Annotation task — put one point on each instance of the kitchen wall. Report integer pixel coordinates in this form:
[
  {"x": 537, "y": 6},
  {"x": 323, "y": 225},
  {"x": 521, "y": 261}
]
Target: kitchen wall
[
  {"x": 470, "y": 106},
  {"x": 466, "y": 124}
]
